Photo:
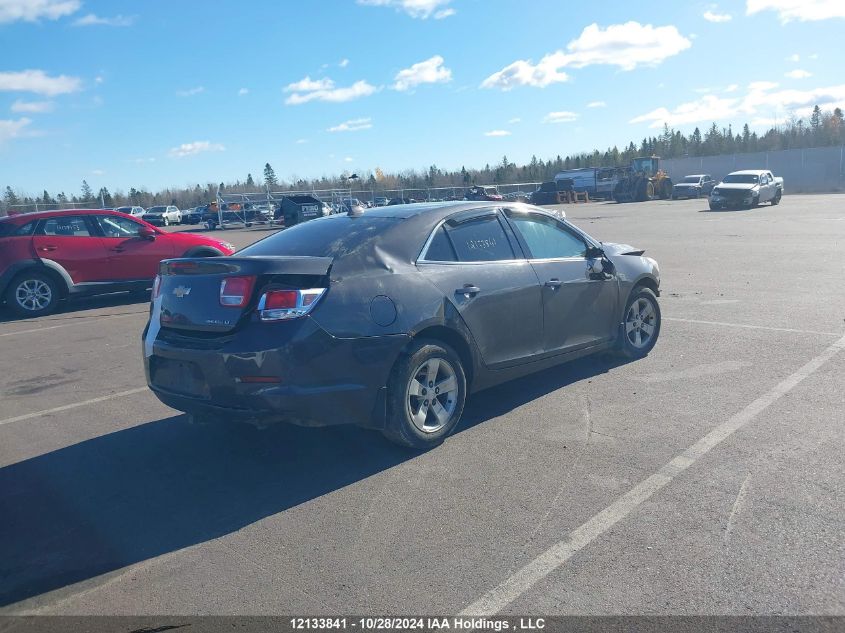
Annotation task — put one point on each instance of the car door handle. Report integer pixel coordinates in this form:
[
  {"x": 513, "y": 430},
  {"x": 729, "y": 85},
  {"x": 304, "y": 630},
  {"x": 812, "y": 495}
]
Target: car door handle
[
  {"x": 468, "y": 290},
  {"x": 554, "y": 283},
  {"x": 47, "y": 248},
  {"x": 118, "y": 249}
]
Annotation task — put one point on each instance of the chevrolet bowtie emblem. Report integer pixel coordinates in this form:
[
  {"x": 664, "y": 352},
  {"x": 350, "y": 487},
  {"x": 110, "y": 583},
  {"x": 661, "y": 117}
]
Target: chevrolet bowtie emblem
[{"x": 181, "y": 291}]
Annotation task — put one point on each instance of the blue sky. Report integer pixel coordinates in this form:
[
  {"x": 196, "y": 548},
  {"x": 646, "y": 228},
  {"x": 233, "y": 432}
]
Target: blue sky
[{"x": 162, "y": 93}]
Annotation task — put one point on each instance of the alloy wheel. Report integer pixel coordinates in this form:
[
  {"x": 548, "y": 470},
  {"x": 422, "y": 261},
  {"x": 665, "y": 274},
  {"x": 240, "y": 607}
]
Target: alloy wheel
[
  {"x": 432, "y": 395},
  {"x": 33, "y": 295},
  {"x": 640, "y": 323}
]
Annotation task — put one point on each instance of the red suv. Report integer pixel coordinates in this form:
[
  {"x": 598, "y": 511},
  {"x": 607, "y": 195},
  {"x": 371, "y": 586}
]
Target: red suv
[{"x": 50, "y": 255}]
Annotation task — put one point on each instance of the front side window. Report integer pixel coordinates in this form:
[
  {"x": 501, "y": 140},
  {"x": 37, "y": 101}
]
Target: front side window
[
  {"x": 480, "y": 239},
  {"x": 546, "y": 238},
  {"x": 69, "y": 226},
  {"x": 114, "y": 226}
]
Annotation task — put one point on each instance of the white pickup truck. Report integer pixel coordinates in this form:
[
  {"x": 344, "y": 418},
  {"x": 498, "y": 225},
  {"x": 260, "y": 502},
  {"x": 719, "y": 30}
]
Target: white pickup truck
[{"x": 746, "y": 189}]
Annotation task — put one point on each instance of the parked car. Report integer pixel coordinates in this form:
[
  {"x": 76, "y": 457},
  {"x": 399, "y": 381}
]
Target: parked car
[
  {"x": 49, "y": 256},
  {"x": 693, "y": 186},
  {"x": 163, "y": 215},
  {"x": 380, "y": 201},
  {"x": 482, "y": 193},
  {"x": 517, "y": 196},
  {"x": 133, "y": 211},
  {"x": 192, "y": 215},
  {"x": 386, "y": 320},
  {"x": 394, "y": 201},
  {"x": 747, "y": 189}
]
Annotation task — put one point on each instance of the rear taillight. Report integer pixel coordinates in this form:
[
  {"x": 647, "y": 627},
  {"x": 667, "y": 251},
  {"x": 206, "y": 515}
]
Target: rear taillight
[
  {"x": 157, "y": 287},
  {"x": 236, "y": 291},
  {"x": 278, "y": 305}
]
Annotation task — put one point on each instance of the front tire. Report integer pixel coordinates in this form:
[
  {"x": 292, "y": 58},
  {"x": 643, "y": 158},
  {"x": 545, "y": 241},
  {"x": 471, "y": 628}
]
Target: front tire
[
  {"x": 640, "y": 324},
  {"x": 425, "y": 395},
  {"x": 776, "y": 199},
  {"x": 165, "y": 221},
  {"x": 32, "y": 294}
]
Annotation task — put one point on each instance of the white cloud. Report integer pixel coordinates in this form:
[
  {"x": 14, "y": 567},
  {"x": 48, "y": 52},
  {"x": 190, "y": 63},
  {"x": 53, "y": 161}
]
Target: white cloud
[
  {"x": 421, "y": 9},
  {"x": 348, "y": 159},
  {"x": 560, "y": 117},
  {"x": 515, "y": 120},
  {"x": 307, "y": 85},
  {"x": 353, "y": 125},
  {"x": 430, "y": 71},
  {"x": 99, "y": 79},
  {"x": 760, "y": 101},
  {"x": 497, "y": 133},
  {"x": 732, "y": 88},
  {"x": 39, "y": 82},
  {"x": 243, "y": 91},
  {"x": 343, "y": 63},
  {"x": 308, "y": 89},
  {"x": 798, "y": 74},
  {"x": 710, "y": 16},
  {"x": 301, "y": 141},
  {"x": 190, "y": 92},
  {"x": 801, "y": 10},
  {"x": 32, "y": 106},
  {"x": 197, "y": 147},
  {"x": 10, "y": 129},
  {"x": 98, "y": 172},
  {"x": 795, "y": 58},
  {"x": 597, "y": 104},
  {"x": 34, "y": 10},
  {"x": 143, "y": 161},
  {"x": 626, "y": 45},
  {"x": 95, "y": 20}
]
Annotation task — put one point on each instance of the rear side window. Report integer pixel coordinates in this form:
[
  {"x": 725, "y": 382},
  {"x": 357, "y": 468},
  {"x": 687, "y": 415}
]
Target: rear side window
[
  {"x": 9, "y": 228},
  {"x": 480, "y": 239},
  {"x": 69, "y": 226},
  {"x": 440, "y": 249},
  {"x": 27, "y": 229}
]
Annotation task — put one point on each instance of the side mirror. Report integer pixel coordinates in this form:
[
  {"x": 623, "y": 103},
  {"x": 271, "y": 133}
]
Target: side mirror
[
  {"x": 146, "y": 233},
  {"x": 594, "y": 252}
]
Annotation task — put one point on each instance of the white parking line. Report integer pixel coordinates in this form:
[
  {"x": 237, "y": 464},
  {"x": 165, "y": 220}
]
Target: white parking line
[
  {"x": 750, "y": 327},
  {"x": 55, "y": 327},
  {"x": 553, "y": 558},
  {"x": 74, "y": 405}
]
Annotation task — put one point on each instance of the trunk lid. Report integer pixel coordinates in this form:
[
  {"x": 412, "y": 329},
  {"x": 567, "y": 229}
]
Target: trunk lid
[{"x": 190, "y": 289}]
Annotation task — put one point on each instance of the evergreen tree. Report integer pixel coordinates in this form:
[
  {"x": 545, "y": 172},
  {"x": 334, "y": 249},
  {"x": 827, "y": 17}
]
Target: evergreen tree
[
  {"x": 87, "y": 194},
  {"x": 249, "y": 181},
  {"x": 270, "y": 176}
]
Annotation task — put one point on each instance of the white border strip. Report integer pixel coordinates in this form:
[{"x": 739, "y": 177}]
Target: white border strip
[
  {"x": 74, "y": 405},
  {"x": 750, "y": 327},
  {"x": 512, "y": 588}
]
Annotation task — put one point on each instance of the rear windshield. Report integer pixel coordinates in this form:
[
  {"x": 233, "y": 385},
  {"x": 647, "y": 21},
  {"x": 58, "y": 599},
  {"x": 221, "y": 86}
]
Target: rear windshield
[
  {"x": 331, "y": 236},
  {"x": 691, "y": 179},
  {"x": 156, "y": 209}
]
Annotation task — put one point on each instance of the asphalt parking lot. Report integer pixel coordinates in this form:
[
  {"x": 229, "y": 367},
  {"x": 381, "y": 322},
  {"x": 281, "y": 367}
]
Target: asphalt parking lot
[{"x": 704, "y": 479}]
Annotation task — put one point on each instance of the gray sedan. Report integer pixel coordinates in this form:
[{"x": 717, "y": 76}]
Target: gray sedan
[{"x": 389, "y": 318}]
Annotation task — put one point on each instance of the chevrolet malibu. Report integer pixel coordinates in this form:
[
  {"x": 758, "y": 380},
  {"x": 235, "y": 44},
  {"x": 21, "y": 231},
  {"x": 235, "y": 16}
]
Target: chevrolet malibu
[{"x": 389, "y": 318}]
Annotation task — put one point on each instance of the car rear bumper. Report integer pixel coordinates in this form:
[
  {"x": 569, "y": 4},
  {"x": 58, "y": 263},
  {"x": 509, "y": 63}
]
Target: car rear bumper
[{"x": 320, "y": 380}]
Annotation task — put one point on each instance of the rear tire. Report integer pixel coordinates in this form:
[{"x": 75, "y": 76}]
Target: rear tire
[
  {"x": 640, "y": 324},
  {"x": 425, "y": 395},
  {"x": 165, "y": 221},
  {"x": 32, "y": 294}
]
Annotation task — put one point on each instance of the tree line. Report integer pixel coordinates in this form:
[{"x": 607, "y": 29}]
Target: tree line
[{"x": 824, "y": 129}]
